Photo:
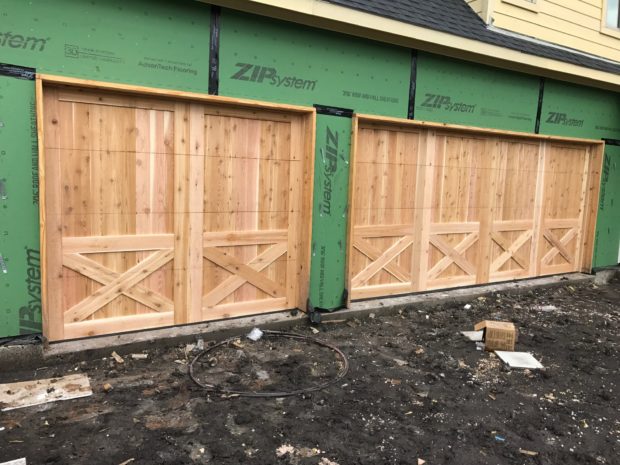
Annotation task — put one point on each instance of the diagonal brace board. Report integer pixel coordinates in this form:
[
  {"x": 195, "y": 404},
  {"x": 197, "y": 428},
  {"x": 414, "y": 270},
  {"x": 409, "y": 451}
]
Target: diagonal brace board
[
  {"x": 559, "y": 246},
  {"x": 244, "y": 271},
  {"x": 373, "y": 253},
  {"x": 116, "y": 287},
  {"x": 380, "y": 263},
  {"x": 231, "y": 284},
  {"x": 510, "y": 250},
  {"x": 97, "y": 272},
  {"x": 453, "y": 255}
]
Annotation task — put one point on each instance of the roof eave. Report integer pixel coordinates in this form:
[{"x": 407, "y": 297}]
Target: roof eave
[{"x": 317, "y": 13}]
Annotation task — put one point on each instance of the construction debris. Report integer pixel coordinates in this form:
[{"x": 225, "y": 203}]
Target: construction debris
[
  {"x": 519, "y": 360},
  {"x": 475, "y": 336},
  {"x": 326, "y": 461},
  {"x": 42, "y": 391},
  {"x": 497, "y": 335},
  {"x": 15, "y": 462},
  {"x": 118, "y": 358},
  {"x": 126, "y": 462},
  {"x": 255, "y": 335}
]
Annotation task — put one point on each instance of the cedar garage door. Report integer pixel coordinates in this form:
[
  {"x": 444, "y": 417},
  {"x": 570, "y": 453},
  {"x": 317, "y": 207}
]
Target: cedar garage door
[
  {"x": 158, "y": 212},
  {"x": 436, "y": 207}
]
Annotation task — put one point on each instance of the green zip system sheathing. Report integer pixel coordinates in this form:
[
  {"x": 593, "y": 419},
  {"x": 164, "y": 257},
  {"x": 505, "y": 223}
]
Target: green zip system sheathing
[
  {"x": 264, "y": 59},
  {"x": 20, "y": 287},
  {"x": 281, "y": 62},
  {"x": 329, "y": 224},
  {"x": 152, "y": 43},
  {"x": 452, "y": 91},
  {"x": 570, "y": 110},
  {"x": 607, "y": 243}
]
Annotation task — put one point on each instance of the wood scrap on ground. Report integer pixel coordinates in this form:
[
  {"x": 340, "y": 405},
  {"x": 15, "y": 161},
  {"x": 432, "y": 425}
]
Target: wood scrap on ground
[{"x": 42, "y": 391}]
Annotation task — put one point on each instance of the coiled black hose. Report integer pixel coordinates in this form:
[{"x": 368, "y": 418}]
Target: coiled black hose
[{"x": 272, "y": 334}]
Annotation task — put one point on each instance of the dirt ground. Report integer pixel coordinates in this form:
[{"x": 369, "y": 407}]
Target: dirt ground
[{"x": 416, "y": 389}]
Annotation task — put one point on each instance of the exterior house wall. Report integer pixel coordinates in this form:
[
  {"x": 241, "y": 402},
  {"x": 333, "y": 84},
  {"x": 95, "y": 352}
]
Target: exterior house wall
[
  {"x": 570, "y": 23},
  {"x": 166, "y": 44},
  {"x": 476, "y": 5}
]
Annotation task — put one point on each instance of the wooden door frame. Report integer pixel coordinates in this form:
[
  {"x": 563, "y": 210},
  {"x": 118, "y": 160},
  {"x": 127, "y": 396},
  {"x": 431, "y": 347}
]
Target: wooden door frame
[
  {"x": 590, "y": 188},
  {"x": 307, "y": 117}
]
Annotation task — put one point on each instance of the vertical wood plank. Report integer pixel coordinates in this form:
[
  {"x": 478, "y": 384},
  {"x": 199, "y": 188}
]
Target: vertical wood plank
[
  {"x": 50, "y": 233},
  {"x": 423, "y": 203},
  {"x": 486, "y": 202},
  {"x": 196, "y": 215},
  {"x": 351, "y": 208},
  {"x": 583, "y": 193},
  {"x": 50, "y": 208},
  {"x": 188, "y": 217},
  {"x": 597, "y": 154},
  {"x": 296, "y": 166},
  {"x": 539, "y": 211},
  {"x": 305, "y": 237},
  {"x": 181, "y": 212}
]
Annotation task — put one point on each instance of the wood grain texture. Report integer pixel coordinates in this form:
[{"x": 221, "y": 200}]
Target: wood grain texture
[
  {"x": 475, "y": 205},
  {"x": 161, "y": 211}
]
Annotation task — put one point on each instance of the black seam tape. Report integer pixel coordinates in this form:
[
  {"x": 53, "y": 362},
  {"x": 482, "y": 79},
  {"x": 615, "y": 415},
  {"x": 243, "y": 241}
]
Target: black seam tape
[
  {"x": 214, "y": 52},
  {"x": 612, "y": 141},
  {"x": 333, "y": 111},
  {"x": 541, "y": 96},
  {"x": 19, "y": 72},
  {"x": 413, "y": 84}
]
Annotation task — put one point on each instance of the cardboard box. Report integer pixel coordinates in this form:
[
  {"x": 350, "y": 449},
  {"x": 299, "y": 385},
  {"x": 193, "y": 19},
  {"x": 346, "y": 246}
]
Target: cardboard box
[{"x": 497, "y": 335}]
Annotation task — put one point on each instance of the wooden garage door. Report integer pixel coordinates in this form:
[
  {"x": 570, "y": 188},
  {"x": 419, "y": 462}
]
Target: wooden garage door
[
  {"x": 160, "y": 212},
  {"x": 436, "y": 208}
]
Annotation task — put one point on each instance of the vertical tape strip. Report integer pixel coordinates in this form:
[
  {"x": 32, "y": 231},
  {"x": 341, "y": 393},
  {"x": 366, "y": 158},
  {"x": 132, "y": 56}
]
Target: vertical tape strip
[
  {"x": 214, "y": 52},
  {"x": 412, "y": 84},
  {"x": 541, "y": 96}
]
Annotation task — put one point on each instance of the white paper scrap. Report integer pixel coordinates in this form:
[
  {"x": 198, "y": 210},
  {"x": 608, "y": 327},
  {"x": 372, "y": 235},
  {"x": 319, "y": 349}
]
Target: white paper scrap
[
  {"x": 475, "y": 336},
  {"x": 255, "y": 334},
  {"x": 519, "y": 360},
  {"x": 15, "y": 462}
]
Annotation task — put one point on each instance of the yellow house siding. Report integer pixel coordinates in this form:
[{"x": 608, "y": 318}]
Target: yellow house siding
[
  {"x": 476, "y": 5},
  {"x": 571, "y": 23}
]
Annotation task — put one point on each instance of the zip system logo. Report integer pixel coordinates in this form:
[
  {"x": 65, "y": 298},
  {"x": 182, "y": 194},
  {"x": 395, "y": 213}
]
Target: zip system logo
[
  {"x": 267, "y": 75},
  {"x": 329, "y": 156},
  {"x": 562, "y": 119},
  {"x": 446, "y": 103},
  {"x": 28, "y": 314},
  {"x": 35, "y": 44}
]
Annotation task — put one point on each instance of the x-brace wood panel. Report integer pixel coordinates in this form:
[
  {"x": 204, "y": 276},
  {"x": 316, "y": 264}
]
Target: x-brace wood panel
[
  {"x": 382, "y": 260},
  {"x": 511, "y": 250},
  {"x": 452, "y": 254},
  {"x": 116, "y": 284},
  {"x": 244, "y": 273},
  {"x": 559, "y": 245}
]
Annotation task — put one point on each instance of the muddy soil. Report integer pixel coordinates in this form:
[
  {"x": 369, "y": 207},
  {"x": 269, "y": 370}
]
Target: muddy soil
[{"x": 416, "y": 389}]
